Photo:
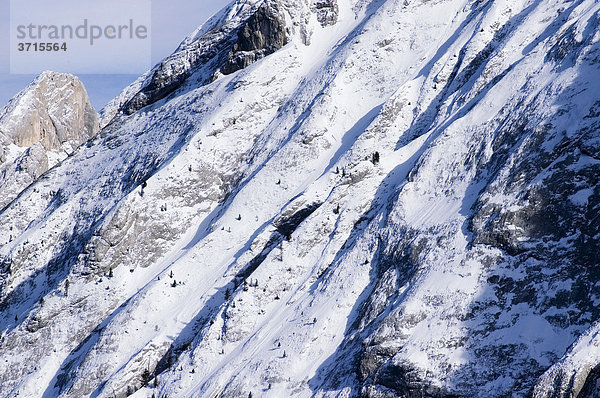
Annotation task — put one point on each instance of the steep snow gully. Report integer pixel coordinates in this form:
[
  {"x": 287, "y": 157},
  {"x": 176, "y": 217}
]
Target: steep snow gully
[{"x": 330, "y": 198}]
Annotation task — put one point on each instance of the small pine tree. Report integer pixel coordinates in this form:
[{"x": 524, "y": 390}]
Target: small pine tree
[
  {"x": 337, "y": 170},
  {"x": 250, "y": 394},
  {"x": 280, "y": 251},
  {"x": 174, "y": 284},
  {"x": 16, "y": 318},
  {"x": 336, "y": 210},
  {"x": 171, "y": 274},
  {"x": 146, "y": 377},
  {"x": 227, "y": 294},
  {"x": 375, "y": 158},
  {"x": 110, "y": 273},
  {"x": 67, "y": 284},
  {"x": 41, "y": 301},
  {"x": 284, "y": 354},
  {"x": 239, "y": 217}
]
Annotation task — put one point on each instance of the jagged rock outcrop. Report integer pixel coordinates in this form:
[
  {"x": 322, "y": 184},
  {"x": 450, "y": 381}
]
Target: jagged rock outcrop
[
  {"x": 42, "y": 125},
  {"x": 327, "y": 11},
  {"x": 262, "y": 35},
  {"x": 54, "y": 110}
]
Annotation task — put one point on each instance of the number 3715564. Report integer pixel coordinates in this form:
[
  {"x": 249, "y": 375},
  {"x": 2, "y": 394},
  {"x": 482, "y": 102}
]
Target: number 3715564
[{"x": 42, "y": 46}]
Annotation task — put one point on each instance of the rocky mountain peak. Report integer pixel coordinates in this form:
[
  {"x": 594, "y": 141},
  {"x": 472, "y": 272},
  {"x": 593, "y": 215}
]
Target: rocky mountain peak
[
  {"x": 54, "y": 110},
  {"x": 40, "y": 126}
]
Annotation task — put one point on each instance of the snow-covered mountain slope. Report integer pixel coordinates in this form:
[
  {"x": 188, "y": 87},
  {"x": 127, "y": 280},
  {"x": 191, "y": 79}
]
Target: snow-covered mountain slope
[
  {"x": 41, "y": 126},
  {"x": 389, "y": 198}
]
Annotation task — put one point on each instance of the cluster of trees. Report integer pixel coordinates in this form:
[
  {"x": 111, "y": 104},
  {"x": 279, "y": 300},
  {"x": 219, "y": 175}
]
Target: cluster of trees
[
  {"x": 337, "y": 171},
  {"x": 253, "y": 283}
]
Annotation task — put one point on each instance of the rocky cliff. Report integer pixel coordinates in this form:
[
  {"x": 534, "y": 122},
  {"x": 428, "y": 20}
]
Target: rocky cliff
[{"x": 41, "y": 126}]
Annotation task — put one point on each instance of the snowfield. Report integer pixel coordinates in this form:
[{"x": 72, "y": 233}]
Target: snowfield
[{"x": 400, "y": 199}]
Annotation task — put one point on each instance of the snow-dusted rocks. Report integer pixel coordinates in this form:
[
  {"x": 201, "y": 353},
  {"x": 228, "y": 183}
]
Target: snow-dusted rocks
[
  {"x": 400, "y": 204},
  {"x": 54, "y": 111},
  {"x": 42, "y": 125},
  {"x": 261, "y": 35},
  {"x": 327, "y": 11},
  {"x": 249, "y": 31}
]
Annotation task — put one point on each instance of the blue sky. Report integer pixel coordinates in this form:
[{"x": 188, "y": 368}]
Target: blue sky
[{"x": 172, "y": 21}]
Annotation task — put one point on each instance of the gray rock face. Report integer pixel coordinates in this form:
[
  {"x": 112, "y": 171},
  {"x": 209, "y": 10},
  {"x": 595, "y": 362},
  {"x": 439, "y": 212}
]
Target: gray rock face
[
  {"x": 263, "y": 34},
  {"x": 327, "y": 12},
  {"x": 41, "y": 126},
  {"x": 54, "y": 111}
]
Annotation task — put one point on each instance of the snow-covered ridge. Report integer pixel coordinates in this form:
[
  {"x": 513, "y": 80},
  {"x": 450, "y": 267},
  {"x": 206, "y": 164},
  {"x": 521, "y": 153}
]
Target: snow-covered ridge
[
  {"x": 234, "y": 38},
  {"x": 400, "y": 201},
  {"x": 198, "y": 48}
]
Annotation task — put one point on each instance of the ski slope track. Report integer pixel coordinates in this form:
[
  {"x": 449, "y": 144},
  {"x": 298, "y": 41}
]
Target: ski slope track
[{"x": 332, "y": 198}]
